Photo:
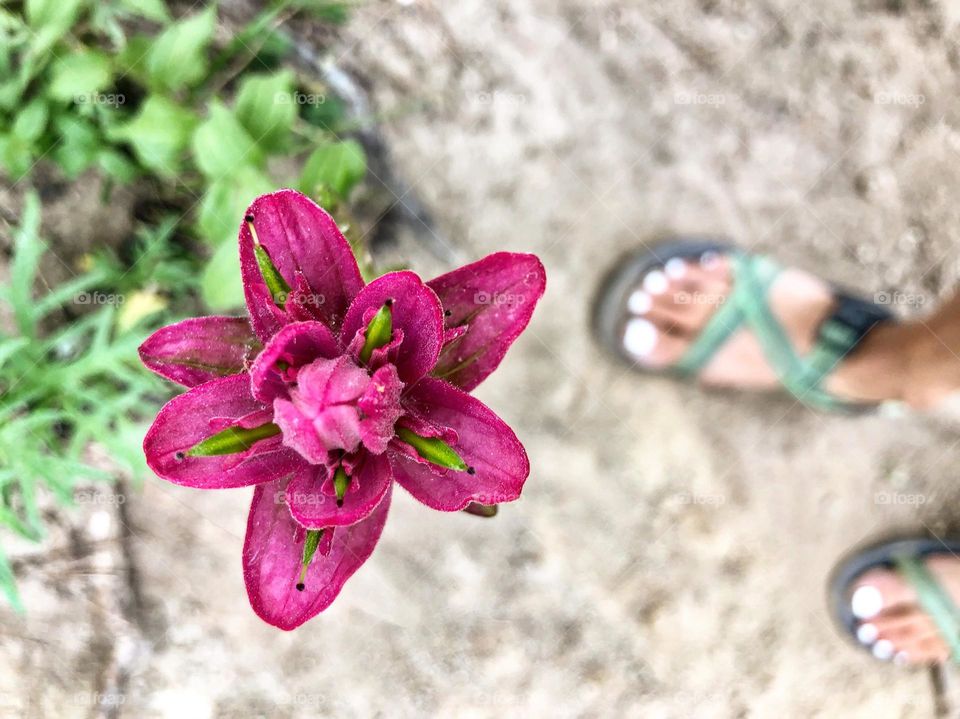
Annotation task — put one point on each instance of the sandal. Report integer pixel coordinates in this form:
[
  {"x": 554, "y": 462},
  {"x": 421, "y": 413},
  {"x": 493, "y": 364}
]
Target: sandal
[
  {"x": 906, "y": 557},
  {"x": 747, "y": 304}
]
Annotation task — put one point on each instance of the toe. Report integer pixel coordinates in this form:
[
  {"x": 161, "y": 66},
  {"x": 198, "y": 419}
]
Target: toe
[
  {"x": 684, "y": 296},
  {"x": 922, "y": 650},
  {"x": 879, "y": 590},
  {"x": 650, "y": 345}
]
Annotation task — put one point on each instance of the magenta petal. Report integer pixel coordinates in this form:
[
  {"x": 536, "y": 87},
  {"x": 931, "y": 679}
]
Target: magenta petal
[
  {"x": 484, "y": 441},
  {"x": 300, "y": 237},
  {"x": 195, "y": 415},
  {"x": 273, "y": 549},
  {"x": 380, "y": 405},
  {"x": 494, "y": 298},
  {"x": 296, "y": 344},
  {"x": 416, "y": 313},
  {"x": 200, "y": 349},
  {"x": 315, "y": 509}
]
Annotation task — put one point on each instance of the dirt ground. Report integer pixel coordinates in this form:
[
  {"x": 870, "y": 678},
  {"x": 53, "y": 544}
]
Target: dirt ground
[{"x": 669, "y": 554}]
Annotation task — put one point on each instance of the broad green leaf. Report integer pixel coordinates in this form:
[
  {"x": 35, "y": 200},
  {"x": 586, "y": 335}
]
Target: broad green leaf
[
  {"x": 80, "y": 143},
  {"x": 31, "y": 120},
  {"x": 220, "y": 286},
  {"x": 79, "y": 75},
  {"x": 16, "y": 156},
  {"x": 50, "y": 20},
  {"x": 221, "y": 211},
  {"x": 266, "y": 109},
  {"x": 221, "y": 146},
  {"x": 336, "y": 167},
  {"x": 177, "y": 57},
  {"x": 117, "y": 166},
  {"x": 158, "y": 134},
  {"x": 155, "y": 10},
  {"x": 131, "y": 61}
]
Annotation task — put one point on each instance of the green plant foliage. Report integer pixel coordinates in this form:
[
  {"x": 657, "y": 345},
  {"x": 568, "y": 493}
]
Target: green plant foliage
[
  {"x": 177, "y": 58},
  {"x": 65, "y": 389},
  {"x": 206, "y": 126},
  {"x": 334, "y": 168}
]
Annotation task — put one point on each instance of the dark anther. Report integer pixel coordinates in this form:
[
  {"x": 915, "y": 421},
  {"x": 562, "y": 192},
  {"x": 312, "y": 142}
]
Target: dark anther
[
  {"x": 389, "y": 302},
  {"x": 447, "y": 313},
  {"x": 339, "y": 502},
  {"x": 179, "y": 455},
  {"x": 471, "y": 470},
  {"x": 248, "y": 218},
  {"x": 301, "y": 586}
]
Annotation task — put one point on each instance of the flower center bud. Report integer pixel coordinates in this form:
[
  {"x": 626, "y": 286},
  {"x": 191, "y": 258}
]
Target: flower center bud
[{"x": 337, "y": 405}]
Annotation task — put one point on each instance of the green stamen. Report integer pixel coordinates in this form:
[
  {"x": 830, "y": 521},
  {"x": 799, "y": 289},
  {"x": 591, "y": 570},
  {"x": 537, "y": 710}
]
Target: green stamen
[
  {"x": 434, "y": 450},
  {"x": 340, "y": 483},
  {"x": 279, "y": 289},
  {"x": 310, "y": 545},
  {"x": 379, "y": 331},
  {"x": 231, "y": 440}
]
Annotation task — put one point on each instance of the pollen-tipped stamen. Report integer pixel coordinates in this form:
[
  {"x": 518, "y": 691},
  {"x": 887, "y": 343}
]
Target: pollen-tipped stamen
[
  {"x": 434, "y": 450},
  {"x": 310, "y": 545},
  {"x": 279, "y": 289},
  {"x": 379, "y": 331},
  {"x": 340, "y": 483},
  {"x": 231, "y": 440}
]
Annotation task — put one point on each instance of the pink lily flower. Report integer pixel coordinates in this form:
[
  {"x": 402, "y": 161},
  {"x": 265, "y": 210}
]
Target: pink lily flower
[{"x": 331, "y": 391}]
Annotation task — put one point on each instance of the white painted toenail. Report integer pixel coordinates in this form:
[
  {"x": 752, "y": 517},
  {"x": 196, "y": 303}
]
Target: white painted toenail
[
  {"x": 640, "y": 302},
  {"x": 640, "y": 337},
  {"x": 866, "y": 602},
  {"x": 709, "y": 259},
  {"x": 867, "y": 634},
  {"x": 675, "y": 268},
  {"x": 901, "y": 659},
  {"x": 883, "y": 650},
  {"x": 655, "y": 282}
]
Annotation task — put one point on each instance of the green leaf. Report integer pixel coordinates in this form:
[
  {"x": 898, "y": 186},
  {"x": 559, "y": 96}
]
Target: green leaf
[
  {"x": 79, "y": 74},
  {"x": 158, "y": 134},
  {"x": 79, "y": 146},
  {"x": 16, "y": 155},
  {"x": 50, "y": 20},
  {"x": 177, "y": 58},
  {"x": 132, "y": 59},
  {"x": 31, "y": 120},
  {"x": 220, "y": 286},
  {"x": 155, "y": 10},
  {"x": 328, "y": 113},
  {"x": 26, "y": 259},
  {"x": 224, "y": 202},
  {"x": 266, "y": 109},
  {"x": 221, "y": 146},
  {"x": 332, "y": 11},
  {"x": 117, "y": 166},
  {"x": 336, "y": 167}
]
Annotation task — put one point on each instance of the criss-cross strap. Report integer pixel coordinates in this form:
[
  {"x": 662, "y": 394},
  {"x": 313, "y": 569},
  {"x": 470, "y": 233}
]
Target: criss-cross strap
[
  {"x": 934, "y": 599},
  {"x": 748, "y": 305}
]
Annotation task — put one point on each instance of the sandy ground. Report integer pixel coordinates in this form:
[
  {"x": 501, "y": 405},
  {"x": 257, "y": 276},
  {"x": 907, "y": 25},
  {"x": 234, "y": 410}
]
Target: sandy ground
[{"x": 669, "y": 554}]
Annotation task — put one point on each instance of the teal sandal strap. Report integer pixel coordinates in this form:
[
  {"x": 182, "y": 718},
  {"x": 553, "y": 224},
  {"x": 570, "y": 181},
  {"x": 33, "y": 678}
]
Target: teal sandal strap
[
  {"x": 725, "y": 321},
  {"x": 934, "y": 599},
  {"x": 748, "y": 304}
]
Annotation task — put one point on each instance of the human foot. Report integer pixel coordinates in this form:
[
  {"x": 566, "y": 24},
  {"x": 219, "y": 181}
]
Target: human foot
[
  {"x": 892, "y": 622},
  {"x": 653, "y": 313}
]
